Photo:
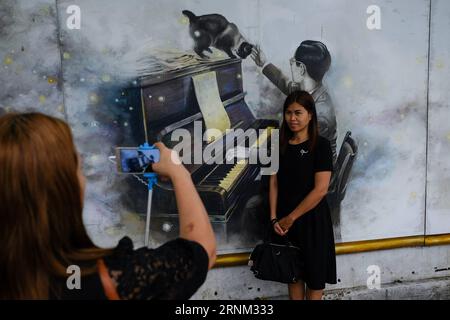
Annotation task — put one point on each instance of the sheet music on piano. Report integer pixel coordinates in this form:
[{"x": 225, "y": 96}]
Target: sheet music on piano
[{"x": 211, "y": 106}]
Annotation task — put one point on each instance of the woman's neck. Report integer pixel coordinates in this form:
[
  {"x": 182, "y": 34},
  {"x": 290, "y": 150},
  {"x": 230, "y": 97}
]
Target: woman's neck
[{"x": 300, "y": 136}]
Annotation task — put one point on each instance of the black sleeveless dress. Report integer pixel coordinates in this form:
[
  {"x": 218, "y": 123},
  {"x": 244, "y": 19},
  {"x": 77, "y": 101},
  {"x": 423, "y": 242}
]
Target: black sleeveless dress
[
  {"x": 172, "y": 271},
  {"x": 313, "y": 231}
]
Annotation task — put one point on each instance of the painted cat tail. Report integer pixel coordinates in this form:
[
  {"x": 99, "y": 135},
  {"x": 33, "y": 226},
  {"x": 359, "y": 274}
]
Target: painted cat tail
[{"x": 192, "y": 17}]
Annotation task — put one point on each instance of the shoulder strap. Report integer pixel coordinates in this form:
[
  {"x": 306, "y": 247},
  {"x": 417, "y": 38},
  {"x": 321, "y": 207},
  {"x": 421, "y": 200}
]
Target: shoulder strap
[{"x": 108, "y": 285}]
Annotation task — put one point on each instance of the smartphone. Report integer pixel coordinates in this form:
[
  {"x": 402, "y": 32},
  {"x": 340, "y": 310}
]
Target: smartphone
[{"x": 136, "y": 160}]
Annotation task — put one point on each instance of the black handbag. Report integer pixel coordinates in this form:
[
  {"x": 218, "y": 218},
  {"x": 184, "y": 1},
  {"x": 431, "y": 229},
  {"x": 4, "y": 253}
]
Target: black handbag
[{"x": 277, "y": 262}]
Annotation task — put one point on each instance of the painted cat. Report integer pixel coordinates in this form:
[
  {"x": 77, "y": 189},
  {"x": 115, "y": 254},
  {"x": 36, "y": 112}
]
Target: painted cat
[{"x": 214, "y": 30}]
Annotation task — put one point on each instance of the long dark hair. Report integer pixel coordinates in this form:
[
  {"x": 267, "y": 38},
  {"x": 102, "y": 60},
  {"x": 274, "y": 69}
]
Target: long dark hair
[
  {"x": 307, "y": 101},
  {"x": 41, "y": 226}
]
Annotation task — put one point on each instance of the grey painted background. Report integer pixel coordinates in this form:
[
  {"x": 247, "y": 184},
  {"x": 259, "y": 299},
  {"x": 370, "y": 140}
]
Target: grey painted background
[
  {"x": 438, "y": 178},
  {"x": 378, "y": 82},
  {"x": 30, "y": 69}
]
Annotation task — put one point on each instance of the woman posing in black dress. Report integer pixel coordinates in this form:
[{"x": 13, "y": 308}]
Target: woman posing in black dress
[{"x": 298, "y": 207}]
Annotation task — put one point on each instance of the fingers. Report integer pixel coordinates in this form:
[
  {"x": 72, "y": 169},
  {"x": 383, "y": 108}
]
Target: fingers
[
  {"x": 256, "y": 51},
  {"x": 285, "y": 230},
  {"x": 163, "y": 150},
  {"x": 160, "y": 145},
  {"x": 164, "y": 159},
  {"x": 169, "y": 165},
  {"x": 284, "y": 226},
  {"x": 275, "y": 228},
  {"x": 279, "y": 230},
  {"x": 254, "y": 55},
  {"x": 174, "y": 157}
]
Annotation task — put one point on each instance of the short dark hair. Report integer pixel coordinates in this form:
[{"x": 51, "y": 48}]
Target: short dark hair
[{"x": 315, "y": 56}]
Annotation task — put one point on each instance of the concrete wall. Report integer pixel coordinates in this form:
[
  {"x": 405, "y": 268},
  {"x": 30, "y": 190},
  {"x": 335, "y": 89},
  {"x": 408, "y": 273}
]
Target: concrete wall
[{"x": 399, "y": 266}]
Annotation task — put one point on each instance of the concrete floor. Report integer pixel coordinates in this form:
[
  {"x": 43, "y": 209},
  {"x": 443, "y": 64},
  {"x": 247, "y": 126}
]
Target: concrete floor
[{"x": 428, "y": 289}]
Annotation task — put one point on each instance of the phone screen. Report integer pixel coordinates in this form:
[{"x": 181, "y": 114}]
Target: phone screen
[{"x": 133, "y": 160}]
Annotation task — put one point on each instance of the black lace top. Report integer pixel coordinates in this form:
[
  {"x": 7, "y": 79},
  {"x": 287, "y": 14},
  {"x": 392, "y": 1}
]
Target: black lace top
[{"x": 174, "y": 270}]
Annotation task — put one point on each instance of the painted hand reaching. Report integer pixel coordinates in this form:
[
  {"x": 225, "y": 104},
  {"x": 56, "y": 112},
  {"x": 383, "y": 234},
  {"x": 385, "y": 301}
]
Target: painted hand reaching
[{"x": 258, "y": 56}]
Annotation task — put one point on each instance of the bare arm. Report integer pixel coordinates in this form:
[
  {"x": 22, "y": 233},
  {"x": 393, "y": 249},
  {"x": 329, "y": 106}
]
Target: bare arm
[
  {"x": 321, "y": 183},
  {"x": 194, "y": 220},
  {"x": 277, "y": 77},
  {"x": 273, "y": 194}
]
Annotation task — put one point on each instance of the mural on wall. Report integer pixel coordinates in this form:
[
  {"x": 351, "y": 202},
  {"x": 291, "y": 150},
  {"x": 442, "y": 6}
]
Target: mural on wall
[
  {"x": 308, "y": 67},
  {"x": 127, "y": 75},
  {"x": 30, "y": 65},
  {"x": 378, "y": 83},
  {"x": 165, "y": 92},
  {"x": 125, "y": 97},
  {"x": 144, "y": 85}
]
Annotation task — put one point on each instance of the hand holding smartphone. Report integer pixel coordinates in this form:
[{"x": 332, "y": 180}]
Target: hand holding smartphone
[{"x": 136, "y": 160}]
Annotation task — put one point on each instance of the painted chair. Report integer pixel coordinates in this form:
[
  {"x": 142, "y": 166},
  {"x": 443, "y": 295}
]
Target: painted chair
[{"x": 339, "y": 180}]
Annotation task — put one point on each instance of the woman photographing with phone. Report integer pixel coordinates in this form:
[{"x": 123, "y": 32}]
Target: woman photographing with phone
[
  {"x": 298, "y": 208},
  {"x": 42, "y": 231}
]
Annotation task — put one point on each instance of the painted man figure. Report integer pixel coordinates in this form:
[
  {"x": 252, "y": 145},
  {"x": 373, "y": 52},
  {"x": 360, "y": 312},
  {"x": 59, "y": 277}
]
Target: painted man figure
[{"x": 309, "y": 64}]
